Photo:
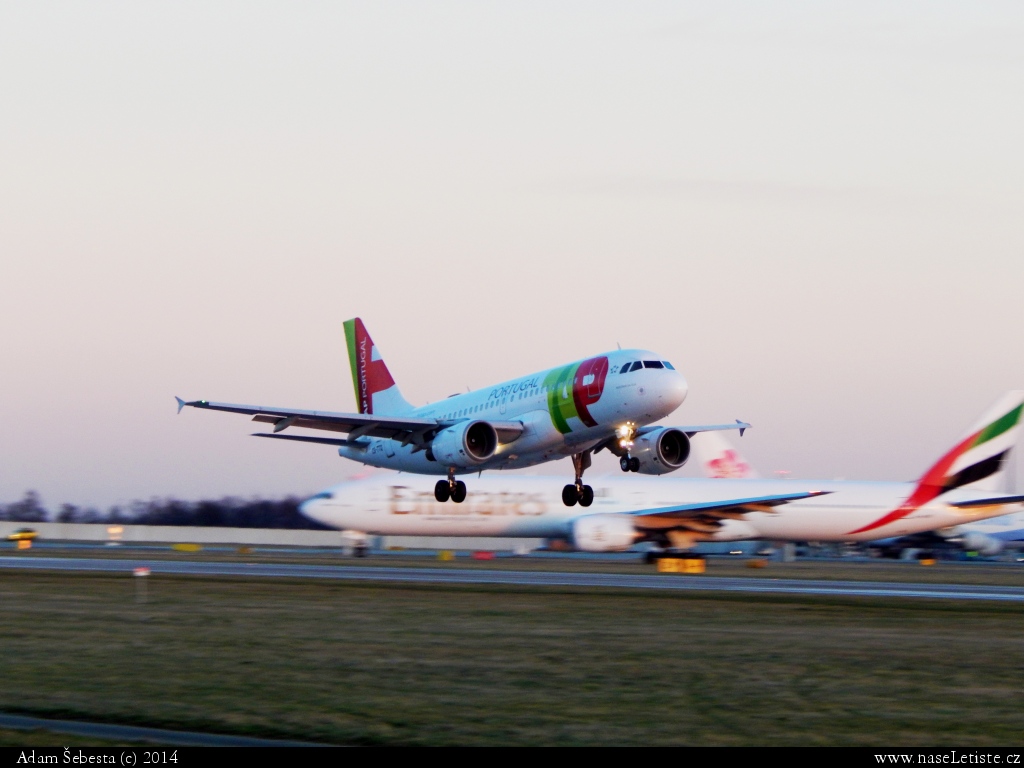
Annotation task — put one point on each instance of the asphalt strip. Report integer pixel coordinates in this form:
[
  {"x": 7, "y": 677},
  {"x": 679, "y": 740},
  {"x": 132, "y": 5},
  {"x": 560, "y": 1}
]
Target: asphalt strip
[
  {"x": 134, "y": 733},
  {"x": 527, "y": 578}
]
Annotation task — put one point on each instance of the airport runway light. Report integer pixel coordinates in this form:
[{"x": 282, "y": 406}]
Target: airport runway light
[{"x": 141, "y": 576}]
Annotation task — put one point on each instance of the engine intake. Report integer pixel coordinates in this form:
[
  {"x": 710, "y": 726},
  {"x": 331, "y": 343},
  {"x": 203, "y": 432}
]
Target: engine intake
[
  {"x": 662, "y": 451},
  {"x": 604, "y": 533},
  {"x": 467, "y": 444}
]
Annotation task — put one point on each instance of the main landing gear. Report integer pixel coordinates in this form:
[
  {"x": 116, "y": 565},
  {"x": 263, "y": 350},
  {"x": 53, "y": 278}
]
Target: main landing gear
[
  {"x": 578, "y": 493},
  {"x": 450, "y": 489}
]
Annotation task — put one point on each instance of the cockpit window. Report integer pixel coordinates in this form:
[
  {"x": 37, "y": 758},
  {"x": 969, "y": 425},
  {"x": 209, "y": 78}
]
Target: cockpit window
[
  {"x": 637, "y": 366},
  {"x": 653, "y": 364},
  {"x": 625, "y": 367},
  {"x": 668, "y": 365}
]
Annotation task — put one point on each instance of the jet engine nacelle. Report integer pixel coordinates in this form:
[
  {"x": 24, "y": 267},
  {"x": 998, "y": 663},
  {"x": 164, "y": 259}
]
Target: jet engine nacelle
[
  {"x": 604, "y": 533},
  {"x": 661, "y": 451},
  {"x": 982, "y": 544},
  {"x": 467, "y": 444}
]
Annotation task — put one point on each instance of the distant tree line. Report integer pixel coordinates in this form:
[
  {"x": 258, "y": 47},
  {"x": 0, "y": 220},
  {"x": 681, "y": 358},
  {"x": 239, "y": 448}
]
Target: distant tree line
[{"x": 230, "y": 511}]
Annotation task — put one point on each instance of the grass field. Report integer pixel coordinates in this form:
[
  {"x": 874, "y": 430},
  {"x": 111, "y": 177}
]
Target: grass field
[{"x": 364, "y": 664}]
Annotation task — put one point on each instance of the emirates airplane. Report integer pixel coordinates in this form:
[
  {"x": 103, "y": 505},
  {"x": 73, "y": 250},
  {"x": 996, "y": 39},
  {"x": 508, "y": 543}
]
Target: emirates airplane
[
  {"x": 677, "y": 513},
  {"x": 603, "y": 402}
]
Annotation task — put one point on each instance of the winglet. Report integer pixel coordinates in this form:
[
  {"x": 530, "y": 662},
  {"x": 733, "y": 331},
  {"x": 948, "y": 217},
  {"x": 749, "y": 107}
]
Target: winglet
[
  {"x": 743, "y": 426},
  {"x": 181, "y": 403}
]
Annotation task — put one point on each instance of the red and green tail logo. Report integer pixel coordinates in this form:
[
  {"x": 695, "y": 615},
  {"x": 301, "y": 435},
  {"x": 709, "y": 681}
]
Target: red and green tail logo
[
  {"x": 369, "y": 373},
  {"x": 941, "y": 479}
]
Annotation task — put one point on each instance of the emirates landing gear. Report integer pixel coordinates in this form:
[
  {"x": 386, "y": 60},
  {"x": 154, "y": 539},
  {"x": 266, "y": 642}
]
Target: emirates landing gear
[
  {"x": 450, "y": 489},
  {"x": 578, "y": 493}
]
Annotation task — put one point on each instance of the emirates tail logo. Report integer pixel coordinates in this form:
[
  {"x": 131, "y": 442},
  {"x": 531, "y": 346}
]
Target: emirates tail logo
[{"x": 941, "y": 479}]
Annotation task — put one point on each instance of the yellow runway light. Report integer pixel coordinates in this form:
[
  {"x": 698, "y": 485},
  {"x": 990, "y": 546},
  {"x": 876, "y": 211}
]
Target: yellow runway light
[{"x": 681, "y": 565}]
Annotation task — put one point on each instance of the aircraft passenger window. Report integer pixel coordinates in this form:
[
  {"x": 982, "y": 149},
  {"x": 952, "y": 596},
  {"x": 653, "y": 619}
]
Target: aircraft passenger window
[
  {"x": 668, "y": 365},
  {"x": 625, "y": 368},
  {"x": 653, "y": 364}
]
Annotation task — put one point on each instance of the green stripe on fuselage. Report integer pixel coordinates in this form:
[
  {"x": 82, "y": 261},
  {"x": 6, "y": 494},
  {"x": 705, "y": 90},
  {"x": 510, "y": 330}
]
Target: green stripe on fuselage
[{"x": 561, "y": 405}]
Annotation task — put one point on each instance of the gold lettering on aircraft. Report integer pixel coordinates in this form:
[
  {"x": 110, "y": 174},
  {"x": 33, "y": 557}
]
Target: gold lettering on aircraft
[{"x": 407, "y": 501}]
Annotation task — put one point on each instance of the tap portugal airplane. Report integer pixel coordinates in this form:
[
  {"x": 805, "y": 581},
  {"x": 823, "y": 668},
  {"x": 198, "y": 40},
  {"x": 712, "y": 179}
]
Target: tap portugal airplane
[
  {"x": 678, "y": 513},
  {"x": 603, "y": 402}
]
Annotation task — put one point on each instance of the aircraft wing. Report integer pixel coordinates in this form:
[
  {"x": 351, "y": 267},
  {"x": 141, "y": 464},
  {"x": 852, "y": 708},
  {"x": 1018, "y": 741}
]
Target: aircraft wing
[
  {"x": 612, "y": 443},
  {"x": 993, "y": 502},
  {"x": 706, "y": 516},
  {"x": 691, "y": 430},
  {"x": 406, "y": 429}
]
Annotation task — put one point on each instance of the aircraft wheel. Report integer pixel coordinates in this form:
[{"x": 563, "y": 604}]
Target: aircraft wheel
[
  {"x": 624, "y": 463},
  {"x": 569, "y": 497},
  {"x": 459, "y": 492},
  {"x": 634, "y": 465},
  {"x": 441, "y": 491},
  {"x": 586, "y": 496}
]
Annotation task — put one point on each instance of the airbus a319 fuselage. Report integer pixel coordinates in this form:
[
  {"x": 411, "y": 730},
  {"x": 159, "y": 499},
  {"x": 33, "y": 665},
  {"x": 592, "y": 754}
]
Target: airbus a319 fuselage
[
  {"x": 604, "y": 402},
  {"x": 560, "y": 412}
]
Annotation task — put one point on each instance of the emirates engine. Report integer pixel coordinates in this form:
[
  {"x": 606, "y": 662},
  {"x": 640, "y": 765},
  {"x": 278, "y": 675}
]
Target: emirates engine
[
  {"x": 604, "y": 533},
  {"x": 662, "y": 451},
  {"x": 467, "y": 444},
  {"x": 985, "y": 545}
]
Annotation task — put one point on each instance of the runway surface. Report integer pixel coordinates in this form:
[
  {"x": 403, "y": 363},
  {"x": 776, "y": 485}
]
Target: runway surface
[
  {"x": 136, "y": 733},
  {"x": 526, "y": 578}
]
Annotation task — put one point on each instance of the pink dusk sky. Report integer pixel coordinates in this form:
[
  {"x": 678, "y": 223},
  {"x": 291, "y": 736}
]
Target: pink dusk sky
[{"x": 816, "y": 211}]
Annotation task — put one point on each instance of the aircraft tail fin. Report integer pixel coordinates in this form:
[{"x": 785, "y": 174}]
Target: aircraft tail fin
[
  {"x": 376, "y": 391},
  {"x": 982, "y": 459},
  {"x": 718, "y": 458}
]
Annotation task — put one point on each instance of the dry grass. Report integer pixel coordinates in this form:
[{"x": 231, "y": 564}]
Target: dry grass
[{"x": 368, "y": 664}]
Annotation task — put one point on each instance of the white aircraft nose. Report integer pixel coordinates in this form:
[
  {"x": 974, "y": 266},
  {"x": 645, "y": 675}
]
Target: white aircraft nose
[
  {"x": 312, "y": 507},
  {"x": 678, "y": 389}
]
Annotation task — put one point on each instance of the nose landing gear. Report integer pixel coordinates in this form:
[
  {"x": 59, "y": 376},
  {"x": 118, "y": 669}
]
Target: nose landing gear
[
  {"x": 626, "y": 434},
  {"x": 450, "y": 489},
  {"x": 578, "y": 493},
  {"x": 629, "y": 463}
]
